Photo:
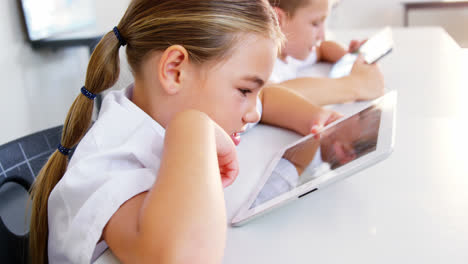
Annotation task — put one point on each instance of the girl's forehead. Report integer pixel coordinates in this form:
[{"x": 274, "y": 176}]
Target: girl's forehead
[{"x": 252, "y": 54}]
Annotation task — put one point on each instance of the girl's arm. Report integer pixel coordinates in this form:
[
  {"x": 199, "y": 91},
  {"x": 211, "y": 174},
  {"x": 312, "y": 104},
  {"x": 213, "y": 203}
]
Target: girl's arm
[
  {"x": 285, "y": 108},
  {"x": 182, "y": 219}
]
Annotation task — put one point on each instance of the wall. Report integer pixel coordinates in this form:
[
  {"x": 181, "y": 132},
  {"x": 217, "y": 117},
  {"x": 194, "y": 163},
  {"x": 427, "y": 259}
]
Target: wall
[
  {"x": 365, "y": 13},
  {"x": 39, "y": 86}
]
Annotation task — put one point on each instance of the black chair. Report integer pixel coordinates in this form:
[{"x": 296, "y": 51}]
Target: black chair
[
  {"x": 20, "y": 162},
  {"x": 14, "y": 247}
]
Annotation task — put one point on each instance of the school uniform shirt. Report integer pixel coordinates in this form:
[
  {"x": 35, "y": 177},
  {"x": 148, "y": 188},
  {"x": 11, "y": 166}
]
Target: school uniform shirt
[
  {"x": 289, "y": 69},
  {"x": 285, "y": 177},
  {"x": 117, "y": 159}
]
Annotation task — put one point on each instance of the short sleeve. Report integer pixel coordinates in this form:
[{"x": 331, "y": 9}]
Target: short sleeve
[
  {"x": 283, "y": 179},
  {"x": 86, "y": 221},
  {"x": 117, "y": 159}
]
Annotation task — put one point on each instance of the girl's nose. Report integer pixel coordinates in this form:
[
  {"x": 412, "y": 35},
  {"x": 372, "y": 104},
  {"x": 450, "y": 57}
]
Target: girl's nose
[{"x": 252, "y": 116}]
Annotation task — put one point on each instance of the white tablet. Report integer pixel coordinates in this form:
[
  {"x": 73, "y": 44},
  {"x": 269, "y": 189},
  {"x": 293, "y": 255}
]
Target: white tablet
[
  {"x": 315, "y": 161},
  {"x": 373, "y": 50}
]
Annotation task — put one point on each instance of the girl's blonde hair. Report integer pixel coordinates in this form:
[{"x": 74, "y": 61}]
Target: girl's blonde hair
[{"x": 206, "y": 28}]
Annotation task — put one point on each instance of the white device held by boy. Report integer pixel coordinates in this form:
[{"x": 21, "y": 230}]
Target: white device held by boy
[{"x": 374, "y": 49}]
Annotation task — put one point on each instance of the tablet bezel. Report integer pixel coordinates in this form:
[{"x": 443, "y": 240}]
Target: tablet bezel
[
  {"x": 371, "y": 51},
  {"x": 383, "y": 149}
]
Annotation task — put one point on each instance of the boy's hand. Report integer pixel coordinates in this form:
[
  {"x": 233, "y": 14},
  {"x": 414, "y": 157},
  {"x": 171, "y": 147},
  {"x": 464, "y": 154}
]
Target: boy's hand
[
  {"x": 354, "y": 45},
  {"x": 227, "y": 156},
  {"x": 368, "y": 79}
]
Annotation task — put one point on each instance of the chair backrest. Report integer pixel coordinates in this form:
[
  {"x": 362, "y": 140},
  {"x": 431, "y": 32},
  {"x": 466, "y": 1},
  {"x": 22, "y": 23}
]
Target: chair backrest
[
  {"x": 14, "y": 247},
  {"x": 20, "y": 162}
]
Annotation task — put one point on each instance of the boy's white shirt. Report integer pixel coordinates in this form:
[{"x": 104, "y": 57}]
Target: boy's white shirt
[
  {"x": 285, "y": 177},
  {"x": 117, "y": 159},
  {"x": 290, "y": 68}
]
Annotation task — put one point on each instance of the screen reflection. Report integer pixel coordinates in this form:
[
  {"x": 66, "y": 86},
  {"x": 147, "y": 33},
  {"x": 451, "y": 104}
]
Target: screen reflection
[{"x": 326, "y": 151}]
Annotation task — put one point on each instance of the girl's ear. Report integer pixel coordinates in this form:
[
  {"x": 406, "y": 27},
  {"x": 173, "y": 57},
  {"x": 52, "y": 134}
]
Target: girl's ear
[
  {"x": 173, "y": 65},
  {"x": 281, "y": 14}
]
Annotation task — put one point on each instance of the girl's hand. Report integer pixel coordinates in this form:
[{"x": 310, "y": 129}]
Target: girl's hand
[
  {"x": 322, "y": 118},
  {"x": 227, "y": 156}
]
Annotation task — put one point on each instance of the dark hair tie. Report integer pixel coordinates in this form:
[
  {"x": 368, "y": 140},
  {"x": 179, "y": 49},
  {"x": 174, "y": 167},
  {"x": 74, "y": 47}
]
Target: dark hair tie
[
  {"x": 65, "y": 151},
  {"x": 87, "y": 93},
  {"x": 119, "y": 37}
]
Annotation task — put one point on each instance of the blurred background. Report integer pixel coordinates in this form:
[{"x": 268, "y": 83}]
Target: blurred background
[{"x": 39, "y": 85}]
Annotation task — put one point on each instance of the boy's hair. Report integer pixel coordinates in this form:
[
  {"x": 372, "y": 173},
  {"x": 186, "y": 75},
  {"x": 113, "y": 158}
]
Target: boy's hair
[
  {"x": 208, "y": 29},
  {"x": 289, "y": 6}
]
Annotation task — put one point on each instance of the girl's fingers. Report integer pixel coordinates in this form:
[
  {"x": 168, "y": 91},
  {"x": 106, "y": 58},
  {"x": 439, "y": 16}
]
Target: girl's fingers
[
  {"x": 229, "y": 168},
  {"x": 333, "y": 117},
  {"x": 227, "y": 156},
  {"x": 324, "y": 119},
  {"x": 316, "y": 128}
]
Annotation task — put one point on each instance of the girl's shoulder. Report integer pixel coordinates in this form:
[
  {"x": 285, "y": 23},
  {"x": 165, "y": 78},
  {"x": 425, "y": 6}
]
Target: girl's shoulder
[{"x": 122, "y": 131}]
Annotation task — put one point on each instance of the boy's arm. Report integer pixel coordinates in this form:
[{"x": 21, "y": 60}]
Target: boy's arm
[
  {"x": 285, "y": 108},
  {"x": 364, "y": 83},
  {"x": 330, "y": 51},
  {"x": 324, "y": 91}
]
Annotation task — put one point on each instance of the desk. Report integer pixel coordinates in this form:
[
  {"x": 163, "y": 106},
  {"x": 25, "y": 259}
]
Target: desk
[
  {"x": 431, "y": 5},
  {"x": 409, "y": 208}
]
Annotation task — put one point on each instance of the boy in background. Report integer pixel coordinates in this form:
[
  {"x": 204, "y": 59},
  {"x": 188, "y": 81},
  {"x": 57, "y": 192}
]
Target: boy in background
[{"x": 302, "y": 21}]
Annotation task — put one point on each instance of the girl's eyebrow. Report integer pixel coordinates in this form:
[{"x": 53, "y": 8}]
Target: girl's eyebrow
[
  {"x": 254, "y": 79},
  {"x": 320, "y": 17}
]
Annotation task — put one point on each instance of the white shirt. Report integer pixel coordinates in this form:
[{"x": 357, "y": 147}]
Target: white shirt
[
  {"x": 285, "y": 177},
  {"x": 289, "y": 69},
  {"x": 117, "y": 159}
]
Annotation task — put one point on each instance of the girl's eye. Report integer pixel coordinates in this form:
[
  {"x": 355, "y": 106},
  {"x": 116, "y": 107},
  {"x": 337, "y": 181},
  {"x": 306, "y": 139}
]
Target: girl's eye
[
  {"x": 317, "y": 23},
  {"x": 245, "y": 91}
]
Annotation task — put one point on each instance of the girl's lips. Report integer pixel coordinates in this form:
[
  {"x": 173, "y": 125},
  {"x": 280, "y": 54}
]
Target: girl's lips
[{"x": 236, "y": 138}]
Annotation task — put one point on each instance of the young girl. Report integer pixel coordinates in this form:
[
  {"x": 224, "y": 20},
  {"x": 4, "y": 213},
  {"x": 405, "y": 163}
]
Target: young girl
[{"x": 147, "y": 179}]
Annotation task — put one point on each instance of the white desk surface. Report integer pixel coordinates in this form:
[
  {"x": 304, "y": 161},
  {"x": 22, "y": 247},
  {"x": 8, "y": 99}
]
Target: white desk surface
[{"x": 409, "y": 208}]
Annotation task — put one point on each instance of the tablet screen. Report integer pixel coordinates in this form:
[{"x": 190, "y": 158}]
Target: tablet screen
[{"x": 334, "y": 147}]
